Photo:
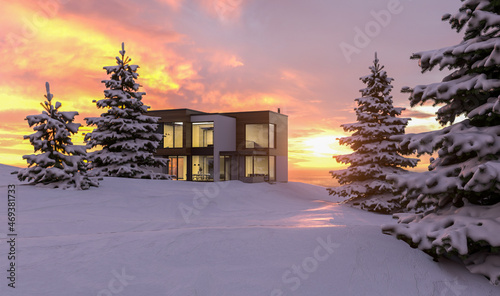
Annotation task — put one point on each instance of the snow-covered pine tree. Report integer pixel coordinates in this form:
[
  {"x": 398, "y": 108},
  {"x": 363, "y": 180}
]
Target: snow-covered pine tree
[
  {"x": 460, "y": 193},
  {"x": 60, "y": 163},
  {"x": 375, "y": 154},
  {"x": 125, "y": 133}
]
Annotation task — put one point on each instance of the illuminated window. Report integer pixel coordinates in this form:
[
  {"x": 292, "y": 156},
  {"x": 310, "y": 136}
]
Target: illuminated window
[
  {"x": 272, "y": 136},
  {"x": 203, "y": 168},
  {"x": 203, "y": 134},
  {"x": 272, "y": 168},
  {"x": 256, "y": 166},
  {"x": 173, "y": 135},
  {"x": 260, "y": 135},
  {"x": 177, "y": 166}
]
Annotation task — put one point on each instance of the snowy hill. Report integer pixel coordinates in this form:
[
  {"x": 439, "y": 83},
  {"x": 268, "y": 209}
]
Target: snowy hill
[{"x": 154, "y": 237}]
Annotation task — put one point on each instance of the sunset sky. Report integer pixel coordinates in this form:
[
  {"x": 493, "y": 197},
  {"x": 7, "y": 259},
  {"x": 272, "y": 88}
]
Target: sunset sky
[{"x": 219, "y": 56}]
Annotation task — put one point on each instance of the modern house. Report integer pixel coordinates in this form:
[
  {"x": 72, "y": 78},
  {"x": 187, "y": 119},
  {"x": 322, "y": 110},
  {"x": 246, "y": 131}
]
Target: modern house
[{"x": 246, "y": 146}]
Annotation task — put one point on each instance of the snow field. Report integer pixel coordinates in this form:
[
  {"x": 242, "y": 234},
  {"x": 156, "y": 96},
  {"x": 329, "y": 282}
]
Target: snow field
[{"x": 129, "y": 237}]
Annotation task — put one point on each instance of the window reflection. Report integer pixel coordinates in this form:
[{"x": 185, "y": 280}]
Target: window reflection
[
  {"x": 225, "y": 168},
  {"x": 256, "y": 166},
  {"x": 260, "y": 135}
]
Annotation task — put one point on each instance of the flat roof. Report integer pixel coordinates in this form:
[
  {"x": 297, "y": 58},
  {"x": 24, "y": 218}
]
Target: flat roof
[
  {"x": 221, "y": 113},
  {"x": 179, "y": 109},
  {"x": 254, "y": 112}
]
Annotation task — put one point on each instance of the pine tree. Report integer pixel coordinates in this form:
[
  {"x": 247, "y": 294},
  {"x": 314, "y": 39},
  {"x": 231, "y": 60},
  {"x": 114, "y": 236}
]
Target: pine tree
[
  {"x": 125, "y": 133},
  {"x": 457, "y": 200},
  {"x": 60, "y": 163},
  {"x": 375, "y": 154}
]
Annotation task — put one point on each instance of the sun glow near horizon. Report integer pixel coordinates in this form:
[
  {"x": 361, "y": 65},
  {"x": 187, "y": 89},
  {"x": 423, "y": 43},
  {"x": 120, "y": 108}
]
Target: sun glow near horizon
[{"x": 317, "y": 151}]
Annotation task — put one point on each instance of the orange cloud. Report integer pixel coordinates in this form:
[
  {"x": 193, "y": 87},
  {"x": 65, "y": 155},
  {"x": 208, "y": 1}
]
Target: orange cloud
[
  {"x": 241, "y": 101},
  {"x": 294, "y": 77},
  {"x": 224, "y": 10},
  {"x": 234, "y": 62},
  {"x": 175, "y": 4}
]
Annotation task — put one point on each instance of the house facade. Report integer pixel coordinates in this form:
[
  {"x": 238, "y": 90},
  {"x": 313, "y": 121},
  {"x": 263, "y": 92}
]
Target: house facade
[{"x": 247, "y": 146}]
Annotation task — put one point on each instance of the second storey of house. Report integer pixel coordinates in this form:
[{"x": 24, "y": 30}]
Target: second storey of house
[{"x": 187, "y": 131}]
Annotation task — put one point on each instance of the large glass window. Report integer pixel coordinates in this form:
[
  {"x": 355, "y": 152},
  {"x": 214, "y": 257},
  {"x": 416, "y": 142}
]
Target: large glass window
[
  {"x": 260, "y": 135},
  {"x": 248, "y": 166},
  {"x": 173, "y": 135},
  {"x": 225, "y": 168},
  {"x": 203, "y": 134},
  {"x": 259, "y": 166},
  {"x": 177, "y": 166},
  {"x": 272, "y": 136},
  {"x": 203, "y": 168}
]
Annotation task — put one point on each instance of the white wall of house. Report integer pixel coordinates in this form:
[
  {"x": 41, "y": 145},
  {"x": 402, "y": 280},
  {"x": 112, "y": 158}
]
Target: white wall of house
[
  {"x": 281, "y": 169},
  {"x": 224, "y": 136}
]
